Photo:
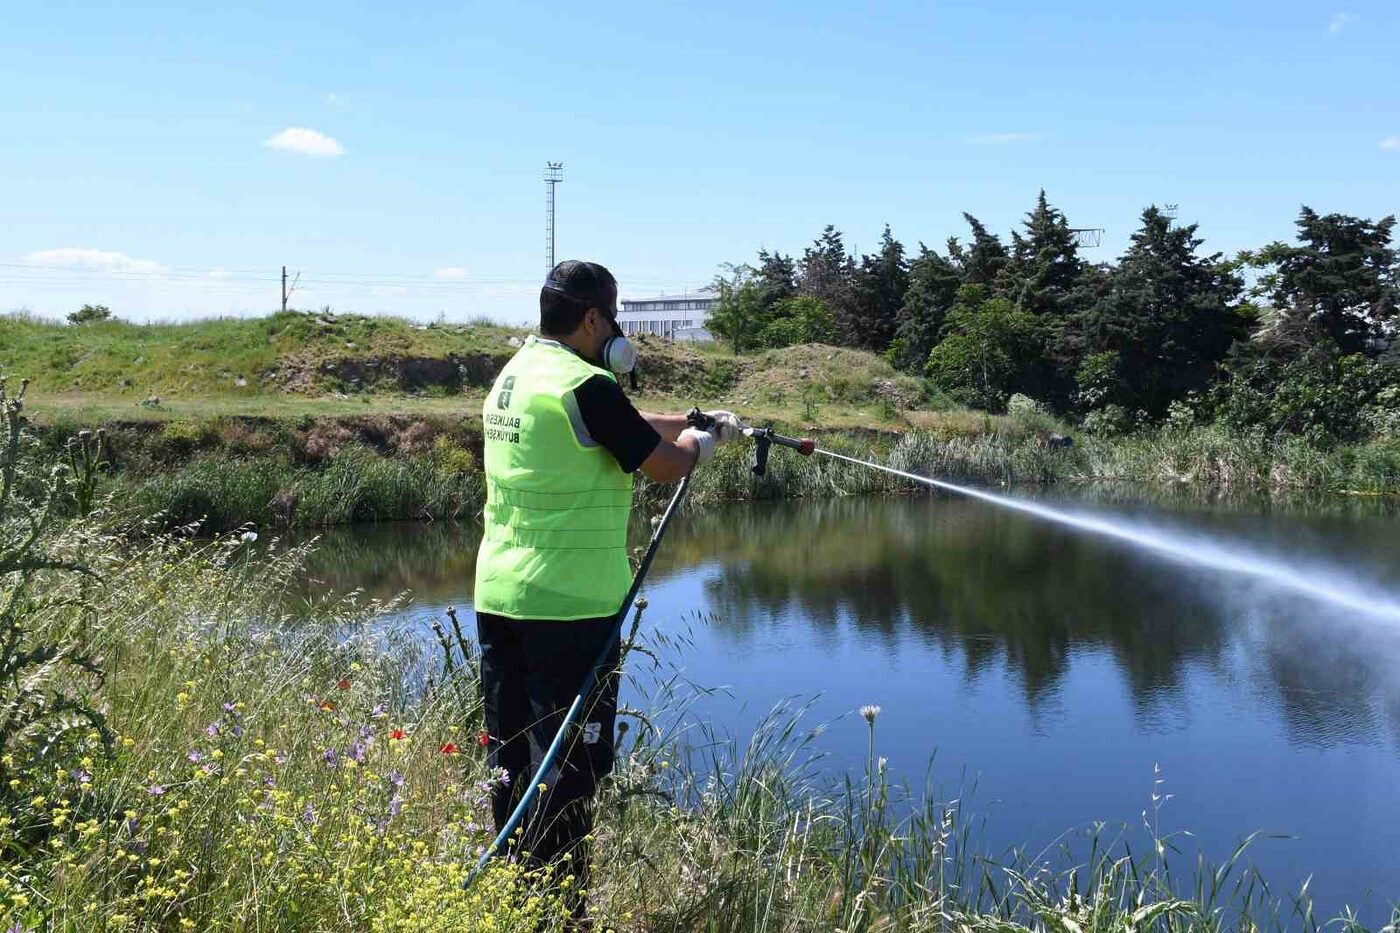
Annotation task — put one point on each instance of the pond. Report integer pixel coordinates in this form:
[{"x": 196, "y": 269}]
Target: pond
[{"x": 1055, "y": 669}]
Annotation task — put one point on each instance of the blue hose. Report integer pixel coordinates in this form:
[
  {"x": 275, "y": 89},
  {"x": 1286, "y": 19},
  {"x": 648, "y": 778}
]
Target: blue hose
[{"x": 571, "y": 715}]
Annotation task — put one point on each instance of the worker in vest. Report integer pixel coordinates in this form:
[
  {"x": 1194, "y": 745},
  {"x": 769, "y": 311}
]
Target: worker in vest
[{"x": 562, "y": 442}]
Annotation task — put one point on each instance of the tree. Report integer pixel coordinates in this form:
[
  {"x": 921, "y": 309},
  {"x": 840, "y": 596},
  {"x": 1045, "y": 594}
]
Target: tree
[
  {"x": 1343, "y": 276},
  {"x": 982, "y": 261},
  {"x": 1168, "y": 319},
  {"x": 880, "y": 286},
  {"x": 827, "y": 273},
  {"x": 799, "y": 319},
  {"x": 90, "y": 314},
  {"x": 933, "y": 287},
  {"x": 777, "y": 278},
  {"x": 1044, "y": 268},
  {"x": 990, "y": 350},
  {"x": 738, "y": 315}
]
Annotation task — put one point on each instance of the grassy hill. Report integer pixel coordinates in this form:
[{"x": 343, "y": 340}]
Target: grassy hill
[{"x": 324, "y": 364}]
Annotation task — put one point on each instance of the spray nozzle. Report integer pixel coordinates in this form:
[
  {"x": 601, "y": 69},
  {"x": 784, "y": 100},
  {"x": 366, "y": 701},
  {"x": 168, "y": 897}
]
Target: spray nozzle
[{"x": 763, "y": 438}]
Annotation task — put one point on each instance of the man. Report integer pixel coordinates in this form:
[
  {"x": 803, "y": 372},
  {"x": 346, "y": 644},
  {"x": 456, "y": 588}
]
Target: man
[{"x": 562, "y": 442}]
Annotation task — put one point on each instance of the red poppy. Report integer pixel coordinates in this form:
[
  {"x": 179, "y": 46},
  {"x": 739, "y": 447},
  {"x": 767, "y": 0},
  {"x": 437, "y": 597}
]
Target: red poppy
[
  {"x": 343, "y": 683},
  {"x": 449, "y": 748},
  {"x": 484, "y": 739},
  {"x": 396, "y": 734}
]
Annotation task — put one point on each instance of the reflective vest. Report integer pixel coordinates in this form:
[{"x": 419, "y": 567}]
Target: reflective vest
[{"x": 555, "y": 539}]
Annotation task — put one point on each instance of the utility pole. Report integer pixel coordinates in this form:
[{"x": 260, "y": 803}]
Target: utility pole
[
  {"x": 553, "y": 175},
  {"x": 287, "y": 292}
]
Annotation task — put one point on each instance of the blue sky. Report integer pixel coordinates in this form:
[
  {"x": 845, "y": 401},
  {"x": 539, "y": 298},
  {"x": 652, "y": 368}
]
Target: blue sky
[{"x": 136, "y": 167}]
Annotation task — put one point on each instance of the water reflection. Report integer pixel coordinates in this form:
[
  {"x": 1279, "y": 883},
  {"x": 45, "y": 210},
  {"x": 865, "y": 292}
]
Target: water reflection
[{"x": 988, "y": 589}]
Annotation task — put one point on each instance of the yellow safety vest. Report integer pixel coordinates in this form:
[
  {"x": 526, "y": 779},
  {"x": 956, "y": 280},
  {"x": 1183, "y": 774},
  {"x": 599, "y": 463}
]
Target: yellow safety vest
[{"x": 555, "y": 540}]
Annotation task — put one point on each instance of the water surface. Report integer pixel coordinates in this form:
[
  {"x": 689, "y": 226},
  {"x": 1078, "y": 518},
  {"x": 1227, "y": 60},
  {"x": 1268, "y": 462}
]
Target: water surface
[{"x": 1054, "y": 668}]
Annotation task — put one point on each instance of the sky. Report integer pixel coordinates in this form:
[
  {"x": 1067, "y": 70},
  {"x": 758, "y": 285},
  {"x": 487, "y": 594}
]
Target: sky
[{"x": 168, "y": 159}]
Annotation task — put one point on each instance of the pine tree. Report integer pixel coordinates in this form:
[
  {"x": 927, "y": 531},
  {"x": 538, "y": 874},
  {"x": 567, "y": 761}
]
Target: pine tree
[
  {"x": 1167, "y": 320},
  {"x": 933, "y": 287},
  {"x": 827, "y": 273},
  {"x": 881, "y": 283},
  {"x": 983, "y": 260},
  {"x": 1044, "y": 268},
  {"x": 1342, "y": 277}
]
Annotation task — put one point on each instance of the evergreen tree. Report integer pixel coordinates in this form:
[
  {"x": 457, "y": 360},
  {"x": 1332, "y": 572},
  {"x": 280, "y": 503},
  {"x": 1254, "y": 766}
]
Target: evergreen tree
[
  {"x": 933, "y": 287},
  {"x": 1044, "y": 268},
  {"x": 1168, "y": 317},
  {"x": 827, "y": 273},
  {"x": 880, "y": 286},
  {"x": 990, "y": 350},
  {"x": 777, "y": 278},
  {"x": 1342, "y": 277},
  {"x": 983, "y": 260}
]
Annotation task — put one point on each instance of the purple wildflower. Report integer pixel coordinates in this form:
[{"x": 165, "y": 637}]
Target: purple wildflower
[
  {"x": 212, "y": 729},
  {"x": 377, "y": 711},
  {"x": 155, "y": 790},
  {"x": 357, "y": 753},
  {"x": 395, "y": 805},
  {"x": 195, "y": 755},
  {"x": 396, "y": 778},
  {"x": 237, "y": 731},
  {"x": 228, "y": 707},
  {"x": 81, "y": 776},
  {"x": 308, "y": 815},
  {"x": 330, "y": 757}
]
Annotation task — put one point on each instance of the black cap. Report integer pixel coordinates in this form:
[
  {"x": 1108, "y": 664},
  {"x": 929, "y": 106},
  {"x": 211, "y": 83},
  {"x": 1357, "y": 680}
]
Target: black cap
[{"x": 587, "y": 282}]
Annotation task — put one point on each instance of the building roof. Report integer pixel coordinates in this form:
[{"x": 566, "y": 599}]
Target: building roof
[{"x": 699, "y": 294}]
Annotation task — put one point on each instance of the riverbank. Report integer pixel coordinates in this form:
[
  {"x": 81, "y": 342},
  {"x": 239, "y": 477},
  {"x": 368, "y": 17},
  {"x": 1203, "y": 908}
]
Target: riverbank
[
  {"x": 316, "y": 471},
  {"x": 304, "y": 769}
]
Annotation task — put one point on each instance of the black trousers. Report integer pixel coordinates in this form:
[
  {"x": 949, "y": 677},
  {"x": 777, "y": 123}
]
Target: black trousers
[{"x": 531, "y": 670}]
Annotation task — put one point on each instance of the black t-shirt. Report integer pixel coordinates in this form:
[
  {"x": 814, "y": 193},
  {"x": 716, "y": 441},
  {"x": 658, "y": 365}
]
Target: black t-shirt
[{"x": 613, "y": 422}]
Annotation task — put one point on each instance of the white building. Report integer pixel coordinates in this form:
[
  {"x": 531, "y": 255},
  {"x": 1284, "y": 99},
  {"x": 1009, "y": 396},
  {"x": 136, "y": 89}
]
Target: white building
[{"x": 680, "y": 317}]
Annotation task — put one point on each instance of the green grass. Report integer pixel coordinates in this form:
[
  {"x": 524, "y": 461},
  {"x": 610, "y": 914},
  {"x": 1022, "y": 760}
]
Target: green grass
[
  {"x": 280, "y": 352},
  {"x": 285, "y": 766}
]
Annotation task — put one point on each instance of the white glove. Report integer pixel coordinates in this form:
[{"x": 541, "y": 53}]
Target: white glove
[
  {"x": 704, "y": 443},
  {"x": 728, "y": 427}
]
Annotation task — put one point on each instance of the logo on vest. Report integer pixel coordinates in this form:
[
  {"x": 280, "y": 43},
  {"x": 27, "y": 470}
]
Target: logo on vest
[
  {"x": 503, "y": 397},
  {"x": 592, "y": 732}
]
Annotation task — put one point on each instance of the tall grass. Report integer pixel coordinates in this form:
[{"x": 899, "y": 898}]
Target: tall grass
[{"x": 283, "y": 765}]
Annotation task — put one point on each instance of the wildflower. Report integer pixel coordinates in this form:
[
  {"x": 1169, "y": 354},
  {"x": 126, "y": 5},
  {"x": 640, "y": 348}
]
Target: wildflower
[
  {"x": 484, "y": 739},
  {"x": 357, "y": 752},
  {"x": 248, "y": 537},
  {"x": 327, "y": 706},
  {"x": 869, "y": 712},
  {"x": 81, "y": 776},
  {"x": 308, "y": 815},
  {"x": 397, "y": 735},
  {"x": 377, "y": 712},
  {"x": 343, "y": 683},
  {"x": 395, "y": 805},
  {"x": 449, "y": 748},
  {"x": 229, "y": 707},
  {"x": 396, "y": 778},
  {"x": 212, "y": 729},
  {"x": 501, "y": 776},
  {"x": 155, "y": 790},
  {"x": 330, "y": 757}
]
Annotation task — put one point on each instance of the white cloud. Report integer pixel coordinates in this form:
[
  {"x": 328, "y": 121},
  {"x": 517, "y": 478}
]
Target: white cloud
[
  {"x": 1391, "y": 143},
  {"x": 450, "y": 273},
  {"x": 1004, "y": 139},
  {"x": 307, "y": 142},
  {"x": 72, "y": 257},
  {"x": 1340, "y": 21}
]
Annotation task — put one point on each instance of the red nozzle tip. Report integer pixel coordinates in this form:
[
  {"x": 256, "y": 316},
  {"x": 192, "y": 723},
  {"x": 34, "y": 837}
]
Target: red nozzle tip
[{"x": 808, "y": 445}]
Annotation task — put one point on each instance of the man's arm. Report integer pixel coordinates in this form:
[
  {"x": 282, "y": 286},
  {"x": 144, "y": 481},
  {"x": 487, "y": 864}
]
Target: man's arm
[{"x": 668, "y": 426}]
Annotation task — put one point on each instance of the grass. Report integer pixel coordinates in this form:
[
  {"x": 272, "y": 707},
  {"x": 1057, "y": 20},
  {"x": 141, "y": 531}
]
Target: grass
[{"x": 279, "y": 764}]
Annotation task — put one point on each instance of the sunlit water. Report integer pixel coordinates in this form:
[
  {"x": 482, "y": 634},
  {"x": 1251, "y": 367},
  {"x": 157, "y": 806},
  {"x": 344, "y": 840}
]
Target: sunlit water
[{"x": 1252, "y": 654}]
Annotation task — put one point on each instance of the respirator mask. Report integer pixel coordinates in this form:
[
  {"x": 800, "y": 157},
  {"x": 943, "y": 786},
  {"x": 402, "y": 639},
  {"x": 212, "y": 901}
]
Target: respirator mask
[{"x": 594, "y": 286}]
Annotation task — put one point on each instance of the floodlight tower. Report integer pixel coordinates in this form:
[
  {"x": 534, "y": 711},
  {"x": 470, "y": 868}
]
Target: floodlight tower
[{"x": 553, "y": 175}]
